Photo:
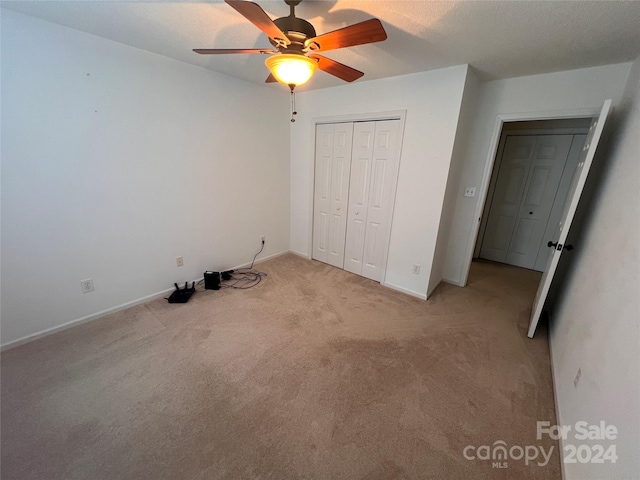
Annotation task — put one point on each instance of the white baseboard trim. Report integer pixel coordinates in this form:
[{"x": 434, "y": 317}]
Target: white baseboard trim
[
  {"x": 108, "y": 311},
  {"x": 261, "y": 260},
  {"x": 555, "y": 398},
  {"x": 85, "y": 319},
  {"x": 421, "y": 296},
  {"x": 433, "y": 289},
  {"x": 451, "y": 281},
  {"x": 300, "y": 254}
]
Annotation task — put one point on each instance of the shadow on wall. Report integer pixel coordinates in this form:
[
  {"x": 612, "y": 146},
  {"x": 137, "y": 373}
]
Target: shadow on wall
[{"x": 583, "y": 217}]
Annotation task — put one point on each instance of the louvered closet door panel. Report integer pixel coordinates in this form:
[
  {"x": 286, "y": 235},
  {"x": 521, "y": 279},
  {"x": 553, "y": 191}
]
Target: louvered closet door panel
[
  {"x": 361, "y": 158},
  {"x": 331, "y": 191},
  {"x": 384, "y": 166}
]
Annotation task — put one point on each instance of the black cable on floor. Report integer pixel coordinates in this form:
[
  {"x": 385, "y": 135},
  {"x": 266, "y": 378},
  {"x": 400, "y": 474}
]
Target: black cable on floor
[{"x": 243, "y": 279}]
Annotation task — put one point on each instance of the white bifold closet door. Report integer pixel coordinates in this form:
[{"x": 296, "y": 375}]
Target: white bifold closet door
[
  {"x": 374, "y": 165},
  {"x": 333, "y": 163},
  {"x": 530, "y": 172},
  {"x": 356, "y": 241}
]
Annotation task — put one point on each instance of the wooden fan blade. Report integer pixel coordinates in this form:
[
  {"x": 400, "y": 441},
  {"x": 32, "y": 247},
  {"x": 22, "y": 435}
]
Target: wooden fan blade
[
  {"x": 256, "y": 15},
  {"x": 270, "y": 79},
  {"x": 222, "y": 51},
  {"x": 337, "y": 69},
  {"x": 369, "y": 31}
]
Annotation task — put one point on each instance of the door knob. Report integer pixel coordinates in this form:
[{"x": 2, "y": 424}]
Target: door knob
[
  {"x": 530, "y": 213},
  {"x": 559, "y": 247},
  {"x": 357, "y": 213},
  {"x": 338, "y": 208}
]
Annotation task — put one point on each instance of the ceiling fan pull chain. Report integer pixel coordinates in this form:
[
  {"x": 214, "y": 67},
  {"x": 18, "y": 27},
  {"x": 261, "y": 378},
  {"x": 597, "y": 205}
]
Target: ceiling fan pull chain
[{"x": 293, "y": 103}]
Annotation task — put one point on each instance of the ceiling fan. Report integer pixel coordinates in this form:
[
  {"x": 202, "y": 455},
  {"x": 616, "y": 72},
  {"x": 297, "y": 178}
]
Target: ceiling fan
[{"x": 295, "y": 59}]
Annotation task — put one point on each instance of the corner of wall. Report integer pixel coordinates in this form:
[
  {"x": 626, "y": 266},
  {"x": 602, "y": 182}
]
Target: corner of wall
[{"x": 441, "y": 269}]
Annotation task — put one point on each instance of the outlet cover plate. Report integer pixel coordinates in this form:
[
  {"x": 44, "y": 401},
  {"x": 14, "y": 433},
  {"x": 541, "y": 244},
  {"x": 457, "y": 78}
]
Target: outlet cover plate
[{"x": 87, "y": 285}]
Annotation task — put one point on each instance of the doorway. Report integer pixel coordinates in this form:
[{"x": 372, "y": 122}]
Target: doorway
[{"x": 533, "y": 168}]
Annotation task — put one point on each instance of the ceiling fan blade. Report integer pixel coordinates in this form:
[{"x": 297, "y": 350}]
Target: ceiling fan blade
[
  {"x": 369, "y": 31},
  {"x": 270, "y": 79},
  {"x": 337, "y": 69},
  {"x": 221, "y": 51},
  {"x": 256, "y": 15}
]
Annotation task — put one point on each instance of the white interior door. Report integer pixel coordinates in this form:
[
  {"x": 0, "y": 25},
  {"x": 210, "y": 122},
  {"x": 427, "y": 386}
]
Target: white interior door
[
  {"x": 322, "y": 192},
  {"x": 573, "y": 197},
  {"x": 561, "y": 198},
  {"x": 333, "y": 163},
  {"x": 384, "y": 172},
  {"x": 530, "y": 173},
  {"x": 505, "y": 205},
  {"x": 356, "y": 173},
  {"x": 374, "y": 173},
  {"x": 543, "y": 180},
  {"x": 361, "y": 159}
]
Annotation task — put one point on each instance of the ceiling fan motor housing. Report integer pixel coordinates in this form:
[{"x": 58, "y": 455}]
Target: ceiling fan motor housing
[{"x": 297, "y": 30}]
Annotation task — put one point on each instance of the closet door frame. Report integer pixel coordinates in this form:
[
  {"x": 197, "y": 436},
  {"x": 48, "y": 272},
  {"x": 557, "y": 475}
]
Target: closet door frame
[{"x": 364, "y": 117}]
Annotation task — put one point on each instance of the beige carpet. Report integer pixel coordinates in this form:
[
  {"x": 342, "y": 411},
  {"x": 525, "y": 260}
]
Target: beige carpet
[{"x": 313, "y": 374}]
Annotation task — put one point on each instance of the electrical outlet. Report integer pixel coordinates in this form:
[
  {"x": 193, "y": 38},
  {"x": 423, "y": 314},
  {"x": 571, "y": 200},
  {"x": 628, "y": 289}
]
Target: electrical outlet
[
  {"x": 577, "y": 379},
  {"x": 179, "y": 261},
  {"x": 263, "y": 238},
  {"x": 470, "y": 192},
  {"x": 87, "y": 285},
  {"x": 416, "y": 269}
]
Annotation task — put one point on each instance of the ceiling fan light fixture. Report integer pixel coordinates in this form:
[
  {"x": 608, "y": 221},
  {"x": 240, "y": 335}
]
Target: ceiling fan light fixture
[{"x": 291, "y": 68}]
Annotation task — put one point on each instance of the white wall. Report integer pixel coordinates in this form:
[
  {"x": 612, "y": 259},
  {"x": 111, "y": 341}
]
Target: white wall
[
  {"x": 467, "y": 116},
  {"x": 596, "y": 322},
  {"x": 576, "y": 89},
  {"x": 432, "y": 102},
  {"x": 115, "y": 161}
]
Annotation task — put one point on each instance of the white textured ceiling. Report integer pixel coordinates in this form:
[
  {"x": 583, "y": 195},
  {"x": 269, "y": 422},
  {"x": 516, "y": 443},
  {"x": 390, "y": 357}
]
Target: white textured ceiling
[{"x": 500, "y": 39}]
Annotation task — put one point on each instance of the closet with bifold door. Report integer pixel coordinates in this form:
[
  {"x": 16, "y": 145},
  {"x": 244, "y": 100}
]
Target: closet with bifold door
[
  {"x": 356, "y": 171},
  {"x": 527, "y": 195}
]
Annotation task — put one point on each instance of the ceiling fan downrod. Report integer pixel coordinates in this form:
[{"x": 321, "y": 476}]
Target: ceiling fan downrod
[{"x": 292, "y": 5}]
